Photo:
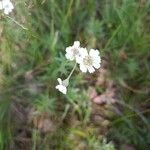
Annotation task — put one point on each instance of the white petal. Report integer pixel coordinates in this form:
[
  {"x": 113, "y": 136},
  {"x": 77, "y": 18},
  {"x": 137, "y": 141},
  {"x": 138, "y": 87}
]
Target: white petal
[
  {"x": 83, "y": 52},
  {"x": 91, "y": 69},
  {"x": 62, "y": 89},
  {"x": 96, "y": 59},
  {"x": 57, "y": 86},
  {"x": 1, "y": 6},
  {"x": 96, "y": 65},
  {"x": 68, "y": 49},
  {"x": 69, "y": 56},
  {"x": 6, "y": 2},
  {"x": 6, "y": 11},
  {"x": 83, "y": 68},
  {"x": 79, "y": 59},
  {"x": 59, "y": 81},
  {"x": 7, "y": 6},
  {"x": 11, "y": 6},
  {"x": 69, "y": 53},
  {"x": 94, "y": 53},
  {"x": 76, "y": 44}
]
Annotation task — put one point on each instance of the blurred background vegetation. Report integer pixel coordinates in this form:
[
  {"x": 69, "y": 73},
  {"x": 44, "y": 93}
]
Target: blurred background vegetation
[{"x": 33, "y": 115}]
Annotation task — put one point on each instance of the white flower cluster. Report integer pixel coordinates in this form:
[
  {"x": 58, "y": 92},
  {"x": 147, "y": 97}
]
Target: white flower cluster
[
  {"x": 88, "y": 62},
  {"x": 6, "y": 6}
]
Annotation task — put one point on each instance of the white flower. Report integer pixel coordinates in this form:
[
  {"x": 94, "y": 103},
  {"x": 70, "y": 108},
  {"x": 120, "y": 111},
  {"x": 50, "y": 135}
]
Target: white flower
[
  {"x": 61, "y": 86},
  {"x": 7, "y": 6},
  {"x": 89, "y": 61},
  {"x": 72, "y": 52}
]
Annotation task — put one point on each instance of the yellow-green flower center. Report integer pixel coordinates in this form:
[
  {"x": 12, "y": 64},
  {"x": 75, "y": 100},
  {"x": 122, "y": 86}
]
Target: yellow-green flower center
[{"x": 88, "y": 61}]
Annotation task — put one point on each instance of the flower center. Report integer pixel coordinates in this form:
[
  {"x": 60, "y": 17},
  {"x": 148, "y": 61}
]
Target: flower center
[
  {"x": 88, "y": 61},
  {"x": 75, "y": 52}
]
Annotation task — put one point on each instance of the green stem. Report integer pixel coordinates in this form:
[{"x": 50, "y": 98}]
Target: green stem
[
  {"x": 72, "y": 71},
  {"x": 17, "y": 23}
]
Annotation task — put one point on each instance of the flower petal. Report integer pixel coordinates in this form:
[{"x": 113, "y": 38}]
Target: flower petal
[
  {"x": 83, "y": 52},
  {"x": 83, "y": 68},
  {"x": 69, "y": 53},
  {"x": 11, "y": 6},
  {"x": 79, "y": 59},
  {"x": 6, "y": 11},
  {"x": 57, "y": 86},
  {"x": 1, "y": 6},
  {"x": 62, "y": 89},
  {"x": 96, "y": 65},
  {"x": 68, "y": 49},
  {"x": 76, "y": 44},
  {"x": 96, "y": 59},
  {"x": 7, "y": 6},
  {"x": 91, "y": 69},
  {"x": 59, "y": 81},
  {"x": 94, "y": 53},
  {"x": 69, "y": 56}
]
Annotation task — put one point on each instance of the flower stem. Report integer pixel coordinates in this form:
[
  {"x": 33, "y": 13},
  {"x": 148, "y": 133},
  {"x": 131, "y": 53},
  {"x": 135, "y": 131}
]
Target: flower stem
[
  {"x": 72, "y": 71},
  {"x": 17, "y": 23}
]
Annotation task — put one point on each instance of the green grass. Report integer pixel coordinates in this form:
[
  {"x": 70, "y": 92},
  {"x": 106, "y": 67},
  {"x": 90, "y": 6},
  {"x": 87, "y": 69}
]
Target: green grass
[{"x": 31, "y": 61}]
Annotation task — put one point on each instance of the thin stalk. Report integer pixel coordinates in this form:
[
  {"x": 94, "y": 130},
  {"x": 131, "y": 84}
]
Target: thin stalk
[
  {"x": 17, "y": 23},
  {"x": 72, "y": 71}
]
